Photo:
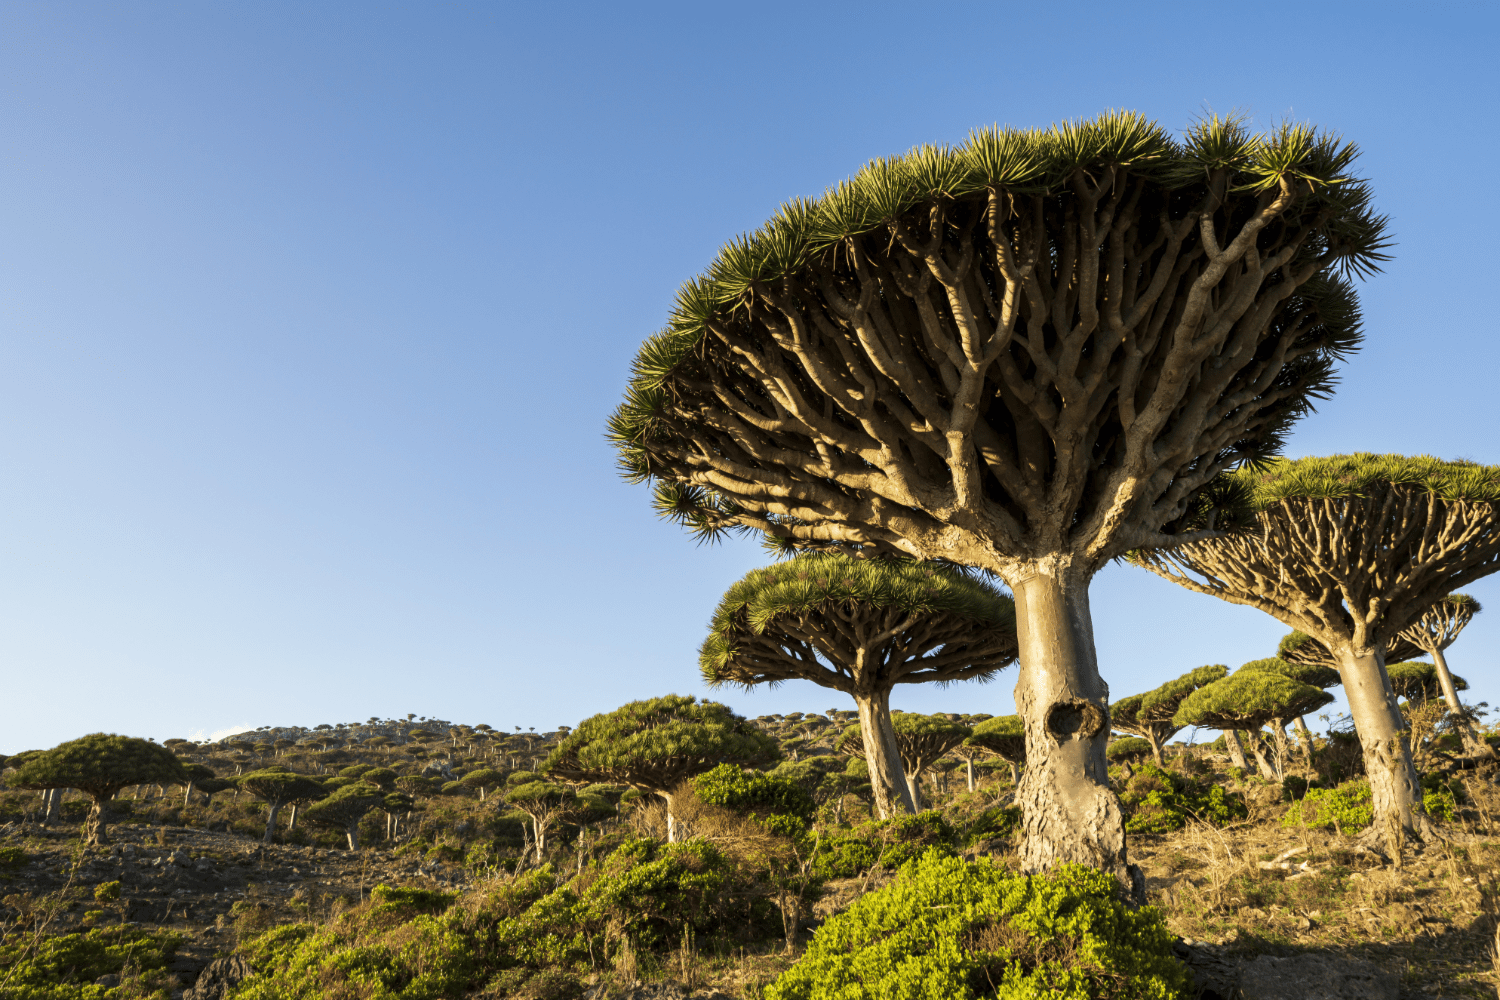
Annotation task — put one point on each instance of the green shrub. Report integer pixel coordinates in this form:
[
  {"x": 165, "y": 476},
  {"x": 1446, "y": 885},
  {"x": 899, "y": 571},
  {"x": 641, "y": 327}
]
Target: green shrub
[
  {"x": 106, "y": 892},
  {"x": 843, "y": 857},
  {"x": 756, "y": 793},
  {"x": 992, "y": 824},
  {"x": 65, "y": 967},
  {"x": 1158, "y": 801},
  {"x": 950, "y": 929},
  {"x": 1344, "y": 808},
  {"x": 11, "y": 858},
  {"x": 1440, "y": 803},
  {"x": 1131, "y": 748}
]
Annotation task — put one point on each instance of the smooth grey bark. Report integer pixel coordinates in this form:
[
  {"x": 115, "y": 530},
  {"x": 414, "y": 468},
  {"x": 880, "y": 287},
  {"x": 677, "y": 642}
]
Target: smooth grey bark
[
  {"x": 1462, "y": 720},
  {"x": 275, "y": 807},
  {"x": 1395, "y": 788},
  {"x": 1069, "y": 812},
  {"x": 887, "y": 777}
]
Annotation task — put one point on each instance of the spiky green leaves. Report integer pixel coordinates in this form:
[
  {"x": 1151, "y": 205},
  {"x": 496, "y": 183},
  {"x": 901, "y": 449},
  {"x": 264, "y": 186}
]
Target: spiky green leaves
[
  {"x": 1308, "y": 673},
  {"x": 1338, "y": 477},
  {"x": 806, "y": 588},
  {"x": 1249, "y": 699},
  {"x": 1004, "y": 736},
  {"x": 657, "y": 743},
  {"x": 277, "y": 787},
  {"x": 99, "y": 764},
  {"x": 1160, "y": 704},
  {"x": 1216, "y": 154}
]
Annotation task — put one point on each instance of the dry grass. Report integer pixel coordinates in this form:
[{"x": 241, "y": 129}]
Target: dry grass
[{"x": 1434, "y": 917}]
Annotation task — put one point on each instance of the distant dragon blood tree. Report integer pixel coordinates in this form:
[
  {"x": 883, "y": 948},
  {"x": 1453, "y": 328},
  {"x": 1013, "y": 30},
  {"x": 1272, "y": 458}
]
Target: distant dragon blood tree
[
  {"x": 861, "y": 626},
  {"x": 1351, "y": 550},
  {"x": 1433, "y": 633},
  {"x": 657, "y": 744},
  {"x": 99, "y": 764},
  {"x": 1149, "y": 715},
  {"x": 920, "y": 740},
  {"x": 1030, "y": 354}
]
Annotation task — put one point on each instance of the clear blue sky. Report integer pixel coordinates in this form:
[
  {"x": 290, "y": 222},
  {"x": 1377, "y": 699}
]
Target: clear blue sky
[{"x": 312, "y": 315}]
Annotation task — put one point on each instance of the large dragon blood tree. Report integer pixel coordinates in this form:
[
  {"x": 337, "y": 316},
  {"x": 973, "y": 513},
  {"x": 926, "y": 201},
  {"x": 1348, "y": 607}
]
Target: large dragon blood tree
[
  {"x": 1352, "y": 549},
  {"x": 861, "y": 626},
  {"x": 1030, "y": 353}
]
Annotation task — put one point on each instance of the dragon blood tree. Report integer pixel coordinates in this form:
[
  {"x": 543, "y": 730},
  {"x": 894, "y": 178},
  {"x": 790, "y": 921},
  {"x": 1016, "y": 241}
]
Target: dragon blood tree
[
  {"x": 1249, "y": 699},
  {"x": 657, "y": 744},
  {"x": 920, "y": 742},
  {"x": 1303, "y": 673},
  {"x": 1030, "y": 354},
  {"x": 1003, "y": 737},
  {"x": 1149, "y": 715},
  {"x": 99, "y": 764},
  {"x": 1433, "y": 633},
  {"x": 1352, "y": 549},
  {"x": 861, "y": 626}
]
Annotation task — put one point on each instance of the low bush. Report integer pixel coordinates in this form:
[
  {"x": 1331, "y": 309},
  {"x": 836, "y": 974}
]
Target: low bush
[
  {"x": 991, "y": 824},
  {"x": 778, "y": 801},
  {"x": 951, "y": 929},
  {"x": 413, "y": 944},
  {"x": 1341, "y": 809},
  {"x": 1158, "y": 801},
  {"x": 65, "y": 967},
  {"x": 891, "y": 842},
  {"x": 1131, "y": 748}
]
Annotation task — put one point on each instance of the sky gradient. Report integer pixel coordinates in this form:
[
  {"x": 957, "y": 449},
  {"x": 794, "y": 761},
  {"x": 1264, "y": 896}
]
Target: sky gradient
[{"x": 312, "y": 316}]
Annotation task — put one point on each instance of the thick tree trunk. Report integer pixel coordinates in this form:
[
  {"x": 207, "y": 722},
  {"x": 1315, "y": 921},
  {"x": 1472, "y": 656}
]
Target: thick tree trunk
[
  {"x": 1236, "y": 749},
  {"x": 914, "y": 786},
  {"x": 1395, "y": 789},
  {"x": 1155, "y": 742},
  {"x": 275, "y": 807},
  {"x": 293, "y": 824},
  {"x": 187, "y": 795},
  {"x": 1069, "y": 812},
  {"x": 95, "y": 830},
  {"x": 352, "y": 832},
  {"x": 1258, "y": 751},
  {"x": 52, "y": 805},
  {"x": 969, "y": 772},
  {"x": 1015, "y": 774},
  {"x": 887, "y": 778}
]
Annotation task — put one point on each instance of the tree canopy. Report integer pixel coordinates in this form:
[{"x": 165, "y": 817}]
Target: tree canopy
[
  {"x": 99, "y": 764},
  {"x": 276, "y": 789},
  {"x": 864, "y": 320},
  {"x": 345, "y": 808},
  {"x": 812, "y": 616},
  {"x": 1030, "y": 353},
  {"x": 861, "y": 626},
  {"x": 656, "y": 744},
  {"x": 1250, "y": 699},
  {"x": 1150, "y": 716}
]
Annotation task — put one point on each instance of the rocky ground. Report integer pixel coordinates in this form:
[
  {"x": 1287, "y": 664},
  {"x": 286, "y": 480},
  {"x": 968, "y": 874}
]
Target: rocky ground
[{"x": 204, "y": 886}]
